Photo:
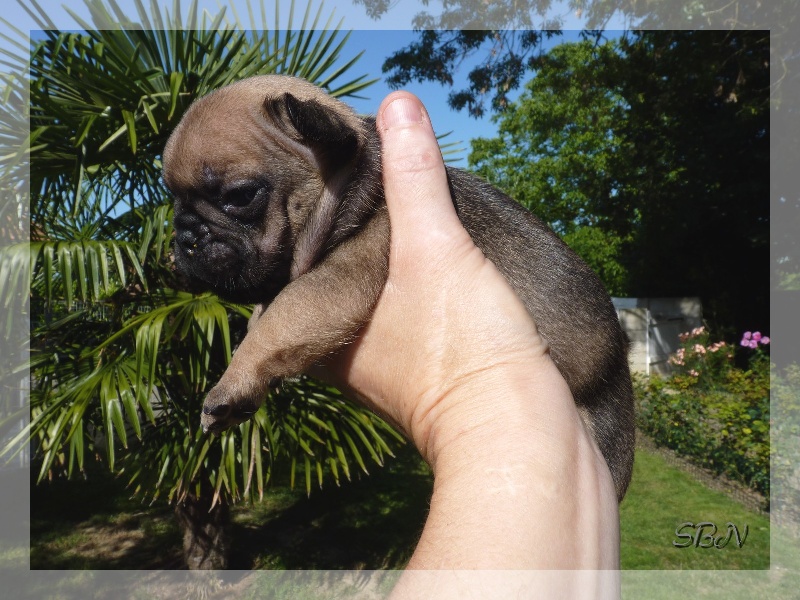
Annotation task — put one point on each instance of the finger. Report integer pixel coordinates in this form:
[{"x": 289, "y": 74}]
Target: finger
[{"x": 415, "y": 180}]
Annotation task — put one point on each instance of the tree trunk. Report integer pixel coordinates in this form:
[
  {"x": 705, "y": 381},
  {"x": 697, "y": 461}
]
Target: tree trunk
[{"x": 206, "y": 531}]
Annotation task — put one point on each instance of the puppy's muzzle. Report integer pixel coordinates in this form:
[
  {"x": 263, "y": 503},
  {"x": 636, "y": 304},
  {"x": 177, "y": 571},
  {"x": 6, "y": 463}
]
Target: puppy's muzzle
[
  {"x": 190, "y": 241},
  {"x": 202, "y": 253},
  {"x": 192, "y": 232}
]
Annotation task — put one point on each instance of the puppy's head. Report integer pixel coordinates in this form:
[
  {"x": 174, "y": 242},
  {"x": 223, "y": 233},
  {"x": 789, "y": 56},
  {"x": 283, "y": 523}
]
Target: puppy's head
[{"x": 257, "y": 170}]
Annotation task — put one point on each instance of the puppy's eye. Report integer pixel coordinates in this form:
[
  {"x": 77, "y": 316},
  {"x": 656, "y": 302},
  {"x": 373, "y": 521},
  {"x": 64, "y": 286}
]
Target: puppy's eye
[{"x": 241, "y": 197}]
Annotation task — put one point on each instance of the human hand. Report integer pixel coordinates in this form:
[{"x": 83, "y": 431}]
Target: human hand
[
  {"x": 447, "y": 324},
  {"x": 453, "y": 359}
]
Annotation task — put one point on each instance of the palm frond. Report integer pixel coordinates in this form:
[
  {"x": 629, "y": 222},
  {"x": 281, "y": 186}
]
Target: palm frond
[
  {"x": 121, "y": 357},
  {"x": 88, "y": 270},
  {"x": 451, "y": 151},
  {"x": 304, "y": 421},
  {"x": 15, "y": 137}
]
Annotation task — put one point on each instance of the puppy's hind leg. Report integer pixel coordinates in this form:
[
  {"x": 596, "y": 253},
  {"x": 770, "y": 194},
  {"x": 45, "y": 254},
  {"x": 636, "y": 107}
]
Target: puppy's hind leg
[{"x": 312, "y": 317}]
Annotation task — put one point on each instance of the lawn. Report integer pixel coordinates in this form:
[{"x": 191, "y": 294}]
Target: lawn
[
  {"x": 370, "y": 523},
  {"x": 661, "y": 498}
]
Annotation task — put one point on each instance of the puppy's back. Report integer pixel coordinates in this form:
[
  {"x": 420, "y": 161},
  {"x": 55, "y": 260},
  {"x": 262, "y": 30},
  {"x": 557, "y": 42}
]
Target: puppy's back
[{"x": 572, "y": 310}]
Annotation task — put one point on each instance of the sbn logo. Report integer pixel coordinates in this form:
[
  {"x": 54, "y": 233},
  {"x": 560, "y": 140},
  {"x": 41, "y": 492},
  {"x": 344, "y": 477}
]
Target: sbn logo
[{"x": 705, "y": 535}]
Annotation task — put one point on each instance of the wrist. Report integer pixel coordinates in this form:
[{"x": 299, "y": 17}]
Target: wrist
[
  {"x": 509, "y": 409},
  {"x": 516, "y": 464}
]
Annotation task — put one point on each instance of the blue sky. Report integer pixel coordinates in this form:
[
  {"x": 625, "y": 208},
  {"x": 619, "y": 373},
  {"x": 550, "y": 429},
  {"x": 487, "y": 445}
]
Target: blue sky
[
  {"x": 433, "y": 95},
  {"x": 378, "y": 39}
]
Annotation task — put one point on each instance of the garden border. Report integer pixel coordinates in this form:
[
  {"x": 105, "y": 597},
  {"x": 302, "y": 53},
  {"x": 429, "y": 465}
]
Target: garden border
[{"x": 749, "y": 498}]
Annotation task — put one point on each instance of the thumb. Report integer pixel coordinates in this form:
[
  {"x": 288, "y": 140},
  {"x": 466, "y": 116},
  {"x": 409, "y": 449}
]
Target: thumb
[{"x": 415, "y": 181}]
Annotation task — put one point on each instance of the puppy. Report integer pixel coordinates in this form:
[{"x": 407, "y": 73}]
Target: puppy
[{"x": 279, "y": 202}]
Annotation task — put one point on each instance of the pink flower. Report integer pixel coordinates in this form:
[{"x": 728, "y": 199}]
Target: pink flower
[
  {"x": 751, "y": 339},
  {"x": 694, "y": 373}
]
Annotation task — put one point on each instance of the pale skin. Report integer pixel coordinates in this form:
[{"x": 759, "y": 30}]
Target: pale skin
[{"x": 452, "y": 358}]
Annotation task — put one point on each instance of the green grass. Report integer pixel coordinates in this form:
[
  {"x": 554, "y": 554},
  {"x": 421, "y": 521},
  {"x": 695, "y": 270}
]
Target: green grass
[
  {"x": 660, "y": 499},
  {"x": 94, "y": 524},
  {"x": 371, "y": 523}
]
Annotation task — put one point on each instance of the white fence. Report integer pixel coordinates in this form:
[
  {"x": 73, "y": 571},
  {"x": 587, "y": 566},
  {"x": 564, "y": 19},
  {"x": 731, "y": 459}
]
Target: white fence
[{"x": 653, "y": 325}]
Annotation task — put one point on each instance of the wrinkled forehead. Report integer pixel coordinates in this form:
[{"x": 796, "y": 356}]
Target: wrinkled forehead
[{"x": 224, "y": 134}]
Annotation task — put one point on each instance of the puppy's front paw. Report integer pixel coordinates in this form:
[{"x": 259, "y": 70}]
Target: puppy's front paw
[{"x": 224, "y": 408}]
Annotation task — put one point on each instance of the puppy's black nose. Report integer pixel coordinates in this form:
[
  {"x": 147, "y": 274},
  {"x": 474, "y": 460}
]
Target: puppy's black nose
[
  {"x": 187, "y": 240},
  {"x": 191, "y": 233},
  {"x": 186, "y": 219}
]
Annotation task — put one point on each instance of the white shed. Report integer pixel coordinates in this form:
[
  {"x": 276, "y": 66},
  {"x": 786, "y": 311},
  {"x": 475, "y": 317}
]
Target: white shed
[{"x": 653, "y": 325}]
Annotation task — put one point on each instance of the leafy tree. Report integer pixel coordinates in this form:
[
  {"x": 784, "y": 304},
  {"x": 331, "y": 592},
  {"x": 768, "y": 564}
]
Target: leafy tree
[
  {"x": 557, "y": 153},
  {"x": 699, "y": 125},
  {"x": 436, "y": 55},
  {"x": 503, "y": 42},
  {"x": 122, "y": 353},
  {"x": 505, "y": 38},
  {"x": 650, "y": 154}
]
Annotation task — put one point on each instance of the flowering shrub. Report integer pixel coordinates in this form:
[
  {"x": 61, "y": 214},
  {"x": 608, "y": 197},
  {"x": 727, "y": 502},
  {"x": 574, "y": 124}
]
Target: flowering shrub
[
  {"x": 752, "y": 340},
  {"x": 700, "y": 360},
  {"x": 711, "y": 411}
]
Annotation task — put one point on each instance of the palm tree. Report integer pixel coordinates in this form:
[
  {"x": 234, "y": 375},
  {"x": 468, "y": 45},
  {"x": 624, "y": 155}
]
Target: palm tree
[{"x": 121, "y": 353}]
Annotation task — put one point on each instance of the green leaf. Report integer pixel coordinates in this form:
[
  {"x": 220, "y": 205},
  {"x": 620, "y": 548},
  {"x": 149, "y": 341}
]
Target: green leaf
[
  {"x": 307, "y": 466},
  {"x": 76, "y": 451},
  {"x": 136, "y": 348},
  {"x": 354, "y": 451}
]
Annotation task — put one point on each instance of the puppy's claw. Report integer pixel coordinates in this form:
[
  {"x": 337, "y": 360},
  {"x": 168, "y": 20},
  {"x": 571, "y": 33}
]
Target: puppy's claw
[{"x": 221, "y": 411}]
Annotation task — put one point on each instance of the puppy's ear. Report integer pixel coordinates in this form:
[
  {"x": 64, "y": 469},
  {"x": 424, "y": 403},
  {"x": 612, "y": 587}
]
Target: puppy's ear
[
  {"x": 334, "y": 145},
  {"x": 329, "y": 135}
]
